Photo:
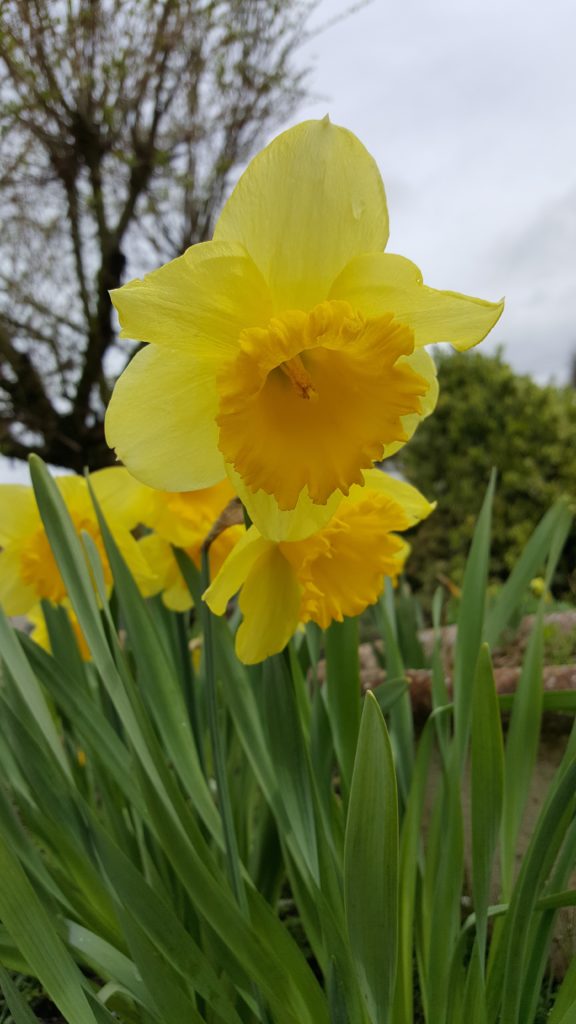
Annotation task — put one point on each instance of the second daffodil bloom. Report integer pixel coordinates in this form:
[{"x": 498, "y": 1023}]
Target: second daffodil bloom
[
  {"x": 289, "y": 351},
  {"x": 28, "y": 569},
  {"x": 184, "y": 521},
  {"x": 337, "y": 572}
]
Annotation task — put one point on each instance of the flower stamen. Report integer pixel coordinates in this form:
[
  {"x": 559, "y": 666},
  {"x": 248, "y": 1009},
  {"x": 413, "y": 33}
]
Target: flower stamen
[{"x": 299, "y": 378}]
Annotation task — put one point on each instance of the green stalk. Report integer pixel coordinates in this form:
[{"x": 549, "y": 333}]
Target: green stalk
[
  {"x": 225, "y": 804},
  {"x": 218, "y": 755}
]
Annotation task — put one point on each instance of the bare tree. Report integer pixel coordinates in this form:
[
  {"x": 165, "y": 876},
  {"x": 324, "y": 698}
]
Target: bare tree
[{"x": 122, "y": 123}]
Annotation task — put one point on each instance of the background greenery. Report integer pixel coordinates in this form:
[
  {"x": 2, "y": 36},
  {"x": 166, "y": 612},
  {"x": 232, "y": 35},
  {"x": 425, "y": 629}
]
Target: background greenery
[{"x": 489, "y": 416}]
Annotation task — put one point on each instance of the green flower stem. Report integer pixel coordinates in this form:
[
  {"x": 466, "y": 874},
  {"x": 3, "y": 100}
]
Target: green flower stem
[
  {"x": 225, "y": 805},
  {"x": 218, "y": 754}
]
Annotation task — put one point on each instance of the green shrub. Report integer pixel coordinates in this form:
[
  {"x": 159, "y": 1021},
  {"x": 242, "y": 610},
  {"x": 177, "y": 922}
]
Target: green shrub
[{"x": 488, "y": 416}]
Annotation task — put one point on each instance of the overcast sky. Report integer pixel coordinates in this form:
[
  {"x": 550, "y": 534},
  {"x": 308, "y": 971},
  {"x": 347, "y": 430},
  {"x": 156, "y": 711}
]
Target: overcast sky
[{"x": 469, "y": 108}]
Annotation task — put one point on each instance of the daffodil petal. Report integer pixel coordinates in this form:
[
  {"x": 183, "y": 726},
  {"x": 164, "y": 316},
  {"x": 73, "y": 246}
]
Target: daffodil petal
[
  {"x": 413, "y": 504},
  {"x": 18, "y": 512},
  {"x": 235, "y": 570},
  {"x": 270, "y": 603},
  {"x": 162, "y": 566},
  {"x": 277, "y": 524},
  {"x": 16, "y": 597},
  {"x": 197, "y": 302},
  {"x": 123, "y": 499},
  {"x": 306, "y": 205},
  {"x": 177, "y": 597},
  {"x": 161, "y": 421},
  {"x": 422, "y": 364},
  {"x": 382, "y": 283}
]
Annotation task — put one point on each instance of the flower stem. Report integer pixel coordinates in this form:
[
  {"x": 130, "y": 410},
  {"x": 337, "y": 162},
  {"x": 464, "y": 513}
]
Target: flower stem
[
  {"x": 218, "y": 755},
  {"x": 230, "y": 840}
]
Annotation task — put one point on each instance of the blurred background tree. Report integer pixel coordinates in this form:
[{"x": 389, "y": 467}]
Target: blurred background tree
[
  {"x": 489, "y": 416},
  {"x": 122, "y": 123}
]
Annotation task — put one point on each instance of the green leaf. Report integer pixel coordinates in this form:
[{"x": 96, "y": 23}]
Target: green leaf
[
  {"x": 546, "y": 841},
  {"x": 17, "y": 1005},
  {"x": 401, "y": 718},
  {"x": 409, "y": 850},
  {"x": 487, "y": 780},
  {"x": 564, "y": 1011},
  {"x": 471, "y": 621},
  {"x": 550, "y": 532},
  {"x": 71, "y": 559},
  {"x": 31, "y": 927},
  {"x": 371, "y": 864},
  {"x": 291, "y": 756},
  {"x": 343, "y": 693},
  {"x": 522, "y": 743},
  {"x": 161, "y": 689},
  {"x": 29, "y": 690}
]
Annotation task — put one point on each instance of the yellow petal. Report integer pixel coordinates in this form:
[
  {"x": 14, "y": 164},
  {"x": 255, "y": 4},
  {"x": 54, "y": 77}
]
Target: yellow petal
[
  {"x": 270, "y": 603},
  {"x": 16, "y": 597},
  {"x": 177, "y": 597},
  {"x": 412, "y": 503},
  {"x": 163, "y": 567},
  {"x": 18, "y": 512},
  {"x": 185, "y": 518},
  {"x": 198, "y": 302},
  {"x": 123, "y": 499},
  {"x": 422, "y": 364},
  {"x": 305, "y": 206},
  {"x": 235, "y": 570},
  {"x": 382, "y": 283},
  {"x": 161, "y": 421},
  {"x": 137, "y": 564},
  {"x": 277, "y": 524}
]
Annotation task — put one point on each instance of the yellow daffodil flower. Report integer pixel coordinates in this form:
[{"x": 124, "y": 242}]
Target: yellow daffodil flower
[
  {"x": 289, "y": 351},
  {"x": 184, "y": 520},
  {"x": 40, "y": 634},
  {"x": 336, "y": 572},
  {"x": 28, "y": 569}
]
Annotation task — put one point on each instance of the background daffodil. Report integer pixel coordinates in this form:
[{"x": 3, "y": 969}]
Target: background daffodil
[
  {"x": 336, "y": 572},
  {"x": 289, "y": 351},
  {"x": 184, "y": 520},
  {"x": 28, "y": 569}
]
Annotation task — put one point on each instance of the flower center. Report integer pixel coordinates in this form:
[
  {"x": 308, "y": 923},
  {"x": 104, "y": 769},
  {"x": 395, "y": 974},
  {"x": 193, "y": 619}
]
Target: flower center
[
  {"x": 312, "y": 399},
  {"x": 299, "y": 377}
]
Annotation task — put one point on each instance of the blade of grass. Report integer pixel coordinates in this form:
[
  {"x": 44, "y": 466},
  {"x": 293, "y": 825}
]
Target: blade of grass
[
  {"x": 371, "y": 863},
  {"x": 31, "y": 927},
  {"x": 522, "y": 742},
  {"x": 471, "y": 622},
  {"x": 487, "y": 782},
  {"x": 343, "y": 693},
  {"x": 552, "y": 530},
  {"x": 17, "y": 1005}
]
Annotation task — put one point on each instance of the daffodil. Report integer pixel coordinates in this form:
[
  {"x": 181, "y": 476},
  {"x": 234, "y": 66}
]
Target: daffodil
[
  {"x": 288, "y": 352},
  {"x": 336, "y": 572},
  {"x": 28, "y": 569},
  {"x": 184, "y": 520}
]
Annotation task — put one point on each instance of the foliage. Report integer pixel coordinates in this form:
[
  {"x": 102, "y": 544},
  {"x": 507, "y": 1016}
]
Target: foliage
[
  {"x": 122, "y": 122},
  {"x": 488, "y": 416},
  {"x": 130, "y": 891}
]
